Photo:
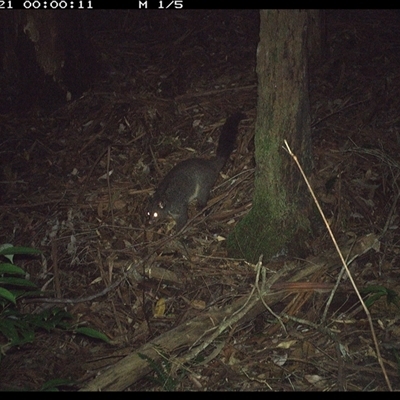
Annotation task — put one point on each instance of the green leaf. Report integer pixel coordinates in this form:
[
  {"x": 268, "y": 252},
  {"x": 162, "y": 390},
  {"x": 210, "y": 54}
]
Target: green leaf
[
  {"x": 378, "y": 291},
  {"x": 6, "y": 246},
  {"x": 28, "y": 336},
  {"x": 52, "y": 385},
  {"x": 19, "y": 250},
  {"x": 9, "y": 330},
  {"x": 17, "y": 282},
  {"x": 92, "y": 333},
  {"x": 59, "y": 315},
  {"x": 24, "y": 332},
  {"x": 50, "y": 319},
  {"x": 7, "y": 295},
  {"x": 6, "y": 268}
]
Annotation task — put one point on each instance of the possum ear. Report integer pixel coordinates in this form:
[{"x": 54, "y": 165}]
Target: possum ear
[{"x": 161, "y": 205}]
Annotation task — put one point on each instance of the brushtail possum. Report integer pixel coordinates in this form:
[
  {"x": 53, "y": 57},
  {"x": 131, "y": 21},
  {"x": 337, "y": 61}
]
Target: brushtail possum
[{"x": 192, "y": 179}]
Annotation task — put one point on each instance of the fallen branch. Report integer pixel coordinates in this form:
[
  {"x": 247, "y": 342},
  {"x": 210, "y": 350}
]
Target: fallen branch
[{"x": 195, "y": 335}]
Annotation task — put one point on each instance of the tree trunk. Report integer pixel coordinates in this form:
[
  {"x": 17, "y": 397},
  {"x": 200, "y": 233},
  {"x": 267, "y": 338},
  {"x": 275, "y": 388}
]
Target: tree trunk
[
  {"x": 45, "y": 58},
  {"x": 278, "y": 219}
]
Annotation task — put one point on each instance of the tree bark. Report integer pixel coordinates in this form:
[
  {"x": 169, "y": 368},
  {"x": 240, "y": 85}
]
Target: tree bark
[
  {"x": 45, "y": 58},
  {"x": 279, "y": 219}
]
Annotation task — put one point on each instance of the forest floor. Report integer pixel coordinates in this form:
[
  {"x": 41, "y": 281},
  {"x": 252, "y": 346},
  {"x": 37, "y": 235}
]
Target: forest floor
[{"x": 75, "y": 185}]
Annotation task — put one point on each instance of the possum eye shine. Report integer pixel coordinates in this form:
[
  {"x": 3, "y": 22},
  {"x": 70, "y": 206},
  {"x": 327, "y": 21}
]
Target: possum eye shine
[{"x": 193, "y": 179}]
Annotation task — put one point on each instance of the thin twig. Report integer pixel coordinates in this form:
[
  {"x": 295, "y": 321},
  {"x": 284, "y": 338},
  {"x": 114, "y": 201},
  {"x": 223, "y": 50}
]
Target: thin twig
[
  {"x": 236, "y": 316},
  {"x": 213, "y": 92},
  {"x": 55, "y": 268},
  {"x": 338, "y": 280},
  {"x": 79, "y": 300},
  {"x": 345, "y": 107},
  {"x": 110, "y": 200},
  {"x": 378, "y": 353}
]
